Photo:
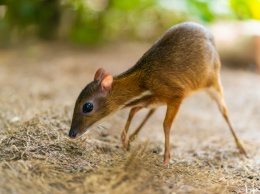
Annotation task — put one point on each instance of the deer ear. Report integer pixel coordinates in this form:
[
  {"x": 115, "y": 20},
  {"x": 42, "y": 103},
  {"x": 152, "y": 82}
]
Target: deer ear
[
  {"x": 99, "y": 75},
  {"x": 106, "y": 82}
]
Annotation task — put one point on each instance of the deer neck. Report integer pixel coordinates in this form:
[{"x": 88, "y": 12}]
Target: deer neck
[{"x": 126, "y": 89}]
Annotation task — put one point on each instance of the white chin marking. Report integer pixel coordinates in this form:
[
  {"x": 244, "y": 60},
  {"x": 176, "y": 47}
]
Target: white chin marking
[
  {"x": 86, "y": 132},
  {"x": 143, "y": 94},
  {"x": 153, "y": 106}
]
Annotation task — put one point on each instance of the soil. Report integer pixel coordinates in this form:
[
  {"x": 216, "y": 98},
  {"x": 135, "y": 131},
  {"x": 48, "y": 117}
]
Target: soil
[{"x": 38, "y": 88}]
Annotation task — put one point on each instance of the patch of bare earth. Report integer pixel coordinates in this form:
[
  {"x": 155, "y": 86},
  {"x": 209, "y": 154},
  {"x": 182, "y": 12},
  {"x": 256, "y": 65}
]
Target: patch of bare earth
[{"x": 38, "y": 87}]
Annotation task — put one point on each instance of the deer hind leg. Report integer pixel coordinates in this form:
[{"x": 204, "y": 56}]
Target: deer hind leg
[
  {"x": 216, "y": 94},
  {"x": 135, "y": 133},
  {"x": 132, "y": 112}
]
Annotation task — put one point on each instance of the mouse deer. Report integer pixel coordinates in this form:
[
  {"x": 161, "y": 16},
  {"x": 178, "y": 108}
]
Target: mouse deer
[{"x": 182, "y": 61}]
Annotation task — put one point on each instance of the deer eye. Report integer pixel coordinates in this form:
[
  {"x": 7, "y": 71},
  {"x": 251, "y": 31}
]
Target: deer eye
[{"x": 87, "y": 107}]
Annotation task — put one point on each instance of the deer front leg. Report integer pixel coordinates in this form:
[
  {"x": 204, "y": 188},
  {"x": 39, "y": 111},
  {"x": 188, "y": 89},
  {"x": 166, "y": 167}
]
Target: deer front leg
[
  {"x": 171, "y": 112},
  {"x": 135, "y": 133},
  {"x": 132, "y": 112}
]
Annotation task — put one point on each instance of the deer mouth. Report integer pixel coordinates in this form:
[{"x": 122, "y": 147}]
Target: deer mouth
[{"x": 75, "y": 133}]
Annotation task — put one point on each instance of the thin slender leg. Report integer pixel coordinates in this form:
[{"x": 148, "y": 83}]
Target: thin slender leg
[
  {"x": 217, "y": 94},
  {"x": 135, "y": 133},
  {"x": 171, "y": 112},
  {"x": 132, "y": 112}
]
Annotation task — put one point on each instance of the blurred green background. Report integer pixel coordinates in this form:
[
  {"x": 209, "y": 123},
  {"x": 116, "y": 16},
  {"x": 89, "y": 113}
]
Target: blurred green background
[{"x": 91, "y": 22}]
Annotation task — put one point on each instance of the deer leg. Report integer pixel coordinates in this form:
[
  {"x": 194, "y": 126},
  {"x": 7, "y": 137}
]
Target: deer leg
[
  {"x": 171, "y": 112},
  {"x": 135, "y": 133},
  {"x": 217, "y": 94},
  {"x": 132, "y": 112}
]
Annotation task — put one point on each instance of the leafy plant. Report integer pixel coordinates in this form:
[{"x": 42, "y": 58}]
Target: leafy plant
[{"x": 96, "y": 21}]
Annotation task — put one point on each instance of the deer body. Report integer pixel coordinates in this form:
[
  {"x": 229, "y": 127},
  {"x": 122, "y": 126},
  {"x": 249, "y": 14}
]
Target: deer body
[{"x": 184, "y": 60}]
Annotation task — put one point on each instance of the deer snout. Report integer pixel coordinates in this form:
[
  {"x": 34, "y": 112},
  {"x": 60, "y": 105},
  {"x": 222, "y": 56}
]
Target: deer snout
[{"x": 73, "y": 133}]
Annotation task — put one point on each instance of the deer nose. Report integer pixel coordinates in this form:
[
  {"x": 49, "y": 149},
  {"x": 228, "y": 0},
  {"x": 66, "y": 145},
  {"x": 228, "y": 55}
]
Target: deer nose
[{"x": 73, "y": 133}]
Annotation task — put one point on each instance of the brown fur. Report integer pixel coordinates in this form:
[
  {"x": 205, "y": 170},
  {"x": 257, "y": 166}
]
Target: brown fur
[{"x": 182, "y": 61}]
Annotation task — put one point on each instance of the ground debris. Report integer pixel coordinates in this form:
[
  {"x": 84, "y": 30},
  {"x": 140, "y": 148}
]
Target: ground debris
[{"x": 36, "y": 156}]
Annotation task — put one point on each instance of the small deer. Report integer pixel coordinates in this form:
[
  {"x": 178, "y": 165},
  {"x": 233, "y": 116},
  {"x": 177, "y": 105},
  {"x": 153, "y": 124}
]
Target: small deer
[{"x": 184, "y": 60}]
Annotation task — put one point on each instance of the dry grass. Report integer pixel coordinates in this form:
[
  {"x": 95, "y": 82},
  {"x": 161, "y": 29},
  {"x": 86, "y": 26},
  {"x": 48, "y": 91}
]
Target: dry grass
[{"x": 37, "y": 94}]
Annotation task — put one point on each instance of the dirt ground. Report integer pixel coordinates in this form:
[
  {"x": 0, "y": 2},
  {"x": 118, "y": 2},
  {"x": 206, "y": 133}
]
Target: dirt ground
[{"x": 38, "y": 88}]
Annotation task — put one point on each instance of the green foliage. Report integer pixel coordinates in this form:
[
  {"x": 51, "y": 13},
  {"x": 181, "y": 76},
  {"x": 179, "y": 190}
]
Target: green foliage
[
  {"x": 92, "y": 21},
  {"x": 130, "y": 5},
  {"x": 42, "y": 15},
  {"x": 86, "y": 26},
  {"x": 118, "y": 19},
  {"x": 246, "y": 9},
  {"x": 201, "y": 9},
  {"x": 239, "y": 9}
]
